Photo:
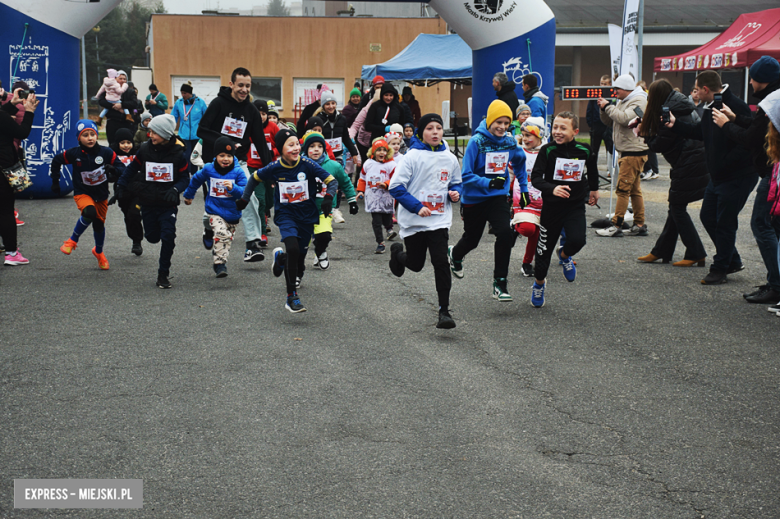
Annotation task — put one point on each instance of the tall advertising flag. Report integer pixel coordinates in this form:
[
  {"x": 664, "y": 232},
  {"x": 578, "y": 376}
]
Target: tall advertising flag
[
  {"x": 615, "y": 44},
  {"x": 629, "y": 56}
]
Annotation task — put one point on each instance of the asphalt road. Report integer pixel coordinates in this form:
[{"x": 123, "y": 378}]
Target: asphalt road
[{"x": 636, "y": 392}]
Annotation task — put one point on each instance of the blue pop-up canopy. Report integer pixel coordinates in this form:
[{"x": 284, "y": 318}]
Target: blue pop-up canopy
[{"x": 430, "y": 58}]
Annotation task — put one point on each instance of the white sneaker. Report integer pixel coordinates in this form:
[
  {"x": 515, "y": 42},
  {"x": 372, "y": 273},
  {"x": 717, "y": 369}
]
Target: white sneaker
[
  {"x": 337, "y": 216},
  {"x": 610, "y": 232},
  {"x": 645, "y": 176},
  {"x": 653, "y": 176},
  {"x": 774, "y": 309},
  {"x": 322, "y": 261}
]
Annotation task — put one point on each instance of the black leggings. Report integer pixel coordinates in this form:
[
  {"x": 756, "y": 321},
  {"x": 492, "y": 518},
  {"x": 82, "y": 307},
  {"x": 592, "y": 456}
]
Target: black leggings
[
  {"x": 7, "y": 220},
  {"x": 380, "y": 221},
  {"x": 496, "y": 211},
  {"x": 554, "y": 219},
  {"x": 296, "y": 254},
  {"x": 414, "y": 259}
]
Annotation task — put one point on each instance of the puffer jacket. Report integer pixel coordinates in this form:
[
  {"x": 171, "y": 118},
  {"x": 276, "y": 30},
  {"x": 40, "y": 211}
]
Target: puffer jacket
[
  {"x": 618, "y": 116},
  {"x": 686, "y": 156}
]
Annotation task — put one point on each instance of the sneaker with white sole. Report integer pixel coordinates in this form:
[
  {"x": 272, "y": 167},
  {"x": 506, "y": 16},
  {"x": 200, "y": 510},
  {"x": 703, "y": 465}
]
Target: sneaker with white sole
[
  {"x": 637, "y": 230},
  {"x": 500, "y": 290},
  {"x": 455, "y": 266},
  {"x": 337, "y": 216},
  {"x": 322, "y": 261},
  {"x": 279, "y": 259},
  {"x": 537, "y": 294},
  {"x": 569, "y": 269},
  {"x": 775, "y": 309},
  {"x": 610, "y": 232},
  {"x": 294, "y": 303},
  {"x": 391, "y": 234},
  {"x": 528, "y": 270},
  {"x": 16, "y": 259}
]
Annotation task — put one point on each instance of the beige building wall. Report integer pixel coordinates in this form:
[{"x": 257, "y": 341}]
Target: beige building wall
[{"x": 286, "y": 47}]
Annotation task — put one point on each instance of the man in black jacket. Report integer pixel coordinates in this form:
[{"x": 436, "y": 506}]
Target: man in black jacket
[
  {"x": 231, "y": 114},
  {"x": 732, "y": 176},
  {"x": 505, "y": 91},
  {"x": 750, "y": 132}
]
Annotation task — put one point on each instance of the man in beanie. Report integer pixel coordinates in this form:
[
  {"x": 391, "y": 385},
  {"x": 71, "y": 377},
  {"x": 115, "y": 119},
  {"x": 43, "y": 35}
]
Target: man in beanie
[
  {"x": 485, "y": 191},
  {"x": 232, "y": 114},
  {"x": 188, "y": 111},
  {"x": 749, "y": 132},
  {"x": 505, "y": 91},
  {"x": 633, "y": 154},
  {"x": 156, "y": 176},
  {"x": 156, "y": 102}
]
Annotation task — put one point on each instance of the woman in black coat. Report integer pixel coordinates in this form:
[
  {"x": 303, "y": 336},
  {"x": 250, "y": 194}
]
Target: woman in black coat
[
  {"x": 10, "y": 130},
  {"x": 688, "y": 174},
  {"x": 385, "y": 112}
]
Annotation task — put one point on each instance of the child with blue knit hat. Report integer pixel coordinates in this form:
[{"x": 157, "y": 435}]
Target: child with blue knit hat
[{"x": 94, "y": 166}]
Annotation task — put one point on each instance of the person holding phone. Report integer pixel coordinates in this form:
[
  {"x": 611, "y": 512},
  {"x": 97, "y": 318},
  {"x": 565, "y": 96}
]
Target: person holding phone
[{"x": 633, "y": 154}]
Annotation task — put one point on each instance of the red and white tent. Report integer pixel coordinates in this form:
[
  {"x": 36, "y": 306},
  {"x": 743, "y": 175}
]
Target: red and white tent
[{"x": 751, "y": 36}]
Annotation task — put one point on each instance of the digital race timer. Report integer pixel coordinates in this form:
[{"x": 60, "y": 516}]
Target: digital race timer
[{"x": 572, "y": 93}]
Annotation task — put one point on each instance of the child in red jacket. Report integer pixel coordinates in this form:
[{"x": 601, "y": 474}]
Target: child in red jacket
[{"x": 526, "y": 219}]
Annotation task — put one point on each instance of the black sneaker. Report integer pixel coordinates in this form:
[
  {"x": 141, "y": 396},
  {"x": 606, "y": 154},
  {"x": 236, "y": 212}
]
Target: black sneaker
[
  {"x": 528, "y": 270},
  {"x": 279, "y": 258},
  {"x": 137, "y": 249},
  {"x": 297, "y": 282},
  {"x": 759, "y": 288},
  {"x": 446, "y": 321},
  {"x": 396, "y": 267},
  {"x": 637, "y": 230},
  {"x": 767, "y": 295},
  {"x": 294, "y": 303},
  {"x": 735, "y": 268},
  {"x": 455, "y": 266},
  {"x": 715, "y": 277},
  {"x": 253, "y": 252},
  {"x": 220, "y": 270},
  {"x": 162, "y": 282},
  {"x": 208, "y": 239}
]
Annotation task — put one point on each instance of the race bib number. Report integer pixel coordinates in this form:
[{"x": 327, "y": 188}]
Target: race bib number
[
  {"x": 534, "y": 193},
  {"x": 218, "y": 188},
  {"x": 374, "y": 179},
  {"x": 126, "y": 160},
  {"x": 322, "y": 189},
  {"x": 335, "y": 144},
  {"x": 253, "y": 152},
  {"x": 156, "y": 172},
  {"x": 234, "y": 127},
  {"x": 496, "y": 162},
  {"x": 293, "y": 192},
  {"x": 444, "y": 176},
  {"x": 569, "y": 170},
  {"x": 434, "y": 200},
  {"x": 93, "y": 178}
]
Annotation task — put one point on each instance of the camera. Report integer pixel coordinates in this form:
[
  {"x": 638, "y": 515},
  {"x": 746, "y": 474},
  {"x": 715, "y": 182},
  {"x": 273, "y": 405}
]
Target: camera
[
  {"x": 24, "y": 94},
  {"x": 665, "y": 114},
  {"x": 717, "y": 101}
]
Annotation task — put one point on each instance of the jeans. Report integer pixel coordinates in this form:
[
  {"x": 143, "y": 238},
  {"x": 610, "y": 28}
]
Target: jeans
[
  {"x": 160, "y": 226},
  {"x": 766, "y": 233},
  {"x": 250, "y": 217},
  {"x": 495, "y": 210},
  {"x": 719, "y": 215},
  {"x": 679, "y": 223}
]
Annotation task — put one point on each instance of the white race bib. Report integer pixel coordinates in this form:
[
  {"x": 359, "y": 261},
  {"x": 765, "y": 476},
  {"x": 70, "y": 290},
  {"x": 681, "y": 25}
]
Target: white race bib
[
  {"x": 374, "y": 179},
  {"x": 253, "y": 152},
  {"x": 93, "y": 178},
  {"x": 434, "y": 200},
  {"x": 533, "y": 192},
  {"x": 234, "y": 127},
  {"x": 496, "y": 163},
  {"x": 569, "y": 170},
  {"x": 156, "y": 172},
  {"x": 293, "y": 192},
  {"x": 126, "y": 160},
  {"x": 335, "y": 144},
  {"x": 217, "y": 188}
]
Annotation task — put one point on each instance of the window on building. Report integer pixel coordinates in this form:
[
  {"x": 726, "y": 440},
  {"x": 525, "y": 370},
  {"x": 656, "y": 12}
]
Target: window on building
[
  {"x": 268, "y": 89},
  {"x": 562, "y": 76}
]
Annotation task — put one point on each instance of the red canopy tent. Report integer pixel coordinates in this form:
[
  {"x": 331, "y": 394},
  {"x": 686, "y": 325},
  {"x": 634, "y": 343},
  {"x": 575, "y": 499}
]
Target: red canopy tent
[{"x": 751, "y": 36}]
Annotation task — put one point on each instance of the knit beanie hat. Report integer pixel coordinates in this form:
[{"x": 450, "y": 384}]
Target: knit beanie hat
[
  {"x": 427, "y": 119},
  {"x": 310, "y": 138},
  {"x": 163, "y": 125},
  {"x": 224, "y": 145},
  {"x": 397, "y": 128},
  {"x": 765, "y": 70},
  {"x": 625, "y": 82},
  {"x": 122, "y": 73},
  {"x": 145, "y": 116},
  {"x": 381, "y": 143},
  {"x": 534, "y": 125},
  {"x": 262, "y": 106},
  {"x": 123, "y": 134},
  {"x": 328, "y": 97},
  {"x": 522, "y": 108},
  {"x": 389, "y": 136},
  {"x": 84, "y": 125},
  {"x": 407, "y": 125},
  {"x": 20, "y": 84},
  {"x": 314, "y": 121},
  {"x": 355, "y": 92},
  {"x": 771, "y": 106},
  {"x": 186, "y": 87},
  {"x": 282, "y": 136},
  {"x": 377, "y": 80},
  {"x": 497, "y": 109},
  {"x": 272, "y": 111},
  {"x": 111, "y": 73}
]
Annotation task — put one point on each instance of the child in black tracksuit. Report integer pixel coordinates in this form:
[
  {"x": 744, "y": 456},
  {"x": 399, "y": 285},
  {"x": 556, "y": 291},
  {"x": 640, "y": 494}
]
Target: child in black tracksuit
[
  {"x": 567, "y": 175},
  {"x": 125, "y": 151}
]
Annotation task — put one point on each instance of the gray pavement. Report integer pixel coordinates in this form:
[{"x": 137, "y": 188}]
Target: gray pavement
[{"x": 636, "y": 392}]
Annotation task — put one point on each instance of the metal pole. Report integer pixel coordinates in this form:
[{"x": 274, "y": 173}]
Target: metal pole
[
  {"x": 84, "y": 76},
  {"x": 97, "y": 57},
  {"x": 747, "y": 82},
  {"x": 640, "y": 34}
]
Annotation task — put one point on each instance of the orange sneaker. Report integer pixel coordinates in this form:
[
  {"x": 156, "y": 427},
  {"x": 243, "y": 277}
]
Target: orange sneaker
[
  {"x": 102, "y": 261},
  {"x": 68, "y": 246}
]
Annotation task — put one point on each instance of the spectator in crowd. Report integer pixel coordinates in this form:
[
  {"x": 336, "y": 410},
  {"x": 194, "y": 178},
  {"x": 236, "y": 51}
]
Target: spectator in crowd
[
  {"x": 732, "y": 175},
  {"x": 376, "y": 85},
  {"x": 384, "y": 112},
  {"x": 633, "y": 154},
  {"x": 413, "y": 104},
  {"x": 598, "y": 130},
  {"x": 505, "y": 90},
  {"x": 749, "y": 133},
  {"x": 694, "y": 97},
  {"x": 156, "y": 102},
  {"x": 688, "y": 174},
  {"x": 188, "y": 111},
  {"x": 308, "y": 111},
  {"x": 534, "y": 97},
  {"x": 352, "y": 109},
  {"x": 115, "y": 118},
  {"x": 650, "y": 171}
]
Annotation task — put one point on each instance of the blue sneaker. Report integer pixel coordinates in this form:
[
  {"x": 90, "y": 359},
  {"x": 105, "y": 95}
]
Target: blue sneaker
[
  {"x": 208, "y": 239},
  {"x": 220, "y": 270},
  {"x": 537, "y": 294},
  {"x": 569, "y": 268},
  {"x": 279, "y": 258},
  {"x": 294, "y": 303}
]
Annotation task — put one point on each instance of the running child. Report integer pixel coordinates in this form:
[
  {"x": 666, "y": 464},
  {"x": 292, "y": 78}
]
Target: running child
[
  {"x": 226, "y": 181},
  {"x": 254, "y": 161},
  {"x": 295, "y": 211},
  {"x": 408, "y": 134},
  {"x": 485, "y": 192},
  {"x": 374, "y": 181},
  {"x": 125, "y": 150},
  {"x": 314, "y": 148},
  {"x": 567, "y": 175},
  {"x": 159, "y": 172},
  {"x": 94, "y": 166},
  {"x": 425, "y": 184},
  {"x": 526, "y": 219}
]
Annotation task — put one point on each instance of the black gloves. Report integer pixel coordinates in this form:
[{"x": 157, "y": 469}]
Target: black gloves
[
  {"x": 112, "y": 200},
  {"x": 524, "y": 200},
  {"x": 171, "y": 195},
  {"x": 55, "y": 186},
  {"x": 497, "y": 183},
  {"x": 112, "y": 174},
  {"x": 353, "y": 208},
  {"x": 327, "y": 205},
  {"x": 119, "y": 192},
  {"x": 241, "y": 204}
]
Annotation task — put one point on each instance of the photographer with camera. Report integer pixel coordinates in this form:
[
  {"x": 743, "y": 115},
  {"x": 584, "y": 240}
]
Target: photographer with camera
[
  {"x": 688, "y": 172},
  {"x": 732, "y": 175}
]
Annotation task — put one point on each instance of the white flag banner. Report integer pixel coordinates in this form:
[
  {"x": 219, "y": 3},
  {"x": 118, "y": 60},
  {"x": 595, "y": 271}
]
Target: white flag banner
[
  {"x": 615, "y": 42},
  {"x": 629, "y": 56}
]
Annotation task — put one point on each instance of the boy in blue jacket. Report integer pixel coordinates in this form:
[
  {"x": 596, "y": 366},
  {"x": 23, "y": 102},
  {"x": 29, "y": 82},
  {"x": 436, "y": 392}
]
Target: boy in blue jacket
[
  {"x": 295, "y": 208},
  {"x": 226, "y": 181},
  {"x": 486, "y": 196}
]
